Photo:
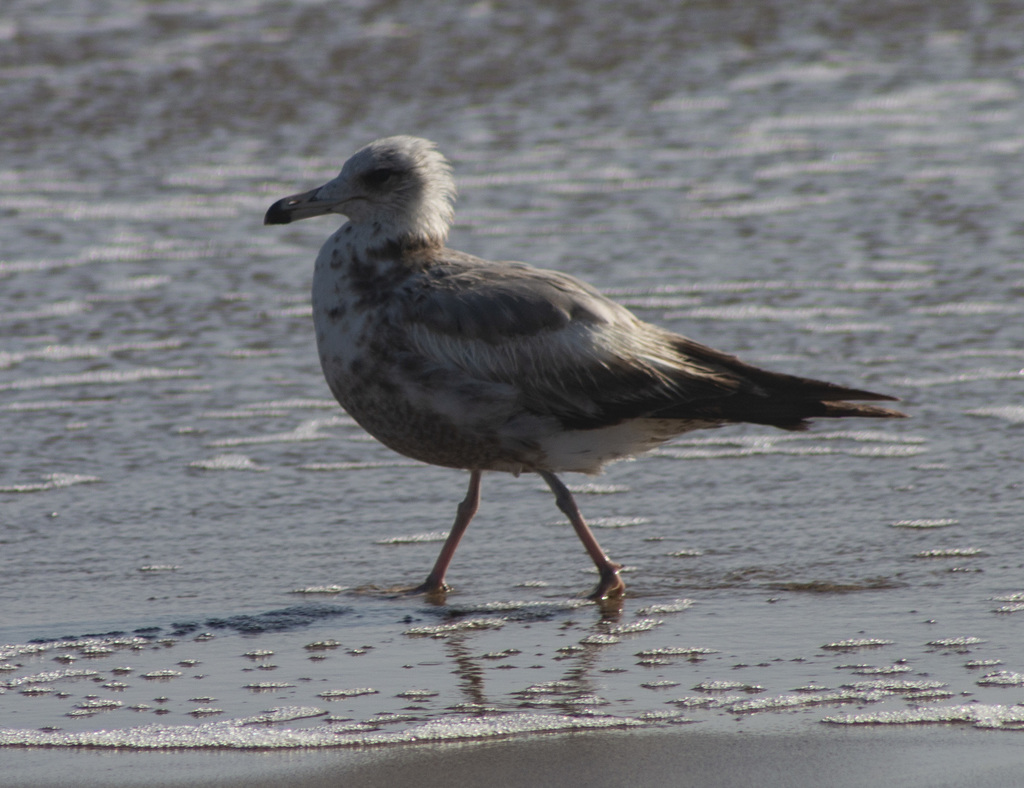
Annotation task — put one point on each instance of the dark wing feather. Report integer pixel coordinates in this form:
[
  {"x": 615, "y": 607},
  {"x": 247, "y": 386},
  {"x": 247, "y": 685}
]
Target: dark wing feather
[{"x": 778, "y": 399}]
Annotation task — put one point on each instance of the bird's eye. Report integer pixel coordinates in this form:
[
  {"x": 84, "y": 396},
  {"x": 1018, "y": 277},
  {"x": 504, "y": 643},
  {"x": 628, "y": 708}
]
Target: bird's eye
[{"x": 379, "y": 177}]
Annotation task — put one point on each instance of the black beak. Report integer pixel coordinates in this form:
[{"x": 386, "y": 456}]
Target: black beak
[
  {"x": 278, "y": 212},
  {"x": 299, "y": 206}
]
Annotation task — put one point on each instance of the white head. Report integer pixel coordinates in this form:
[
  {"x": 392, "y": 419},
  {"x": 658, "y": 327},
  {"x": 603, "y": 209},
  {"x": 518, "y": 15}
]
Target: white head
[{"x": 400, "y": 186}]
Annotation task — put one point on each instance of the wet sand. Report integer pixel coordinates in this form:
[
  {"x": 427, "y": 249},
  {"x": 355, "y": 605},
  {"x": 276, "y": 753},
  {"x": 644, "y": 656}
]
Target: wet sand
[{"x": 838, "y": 758}]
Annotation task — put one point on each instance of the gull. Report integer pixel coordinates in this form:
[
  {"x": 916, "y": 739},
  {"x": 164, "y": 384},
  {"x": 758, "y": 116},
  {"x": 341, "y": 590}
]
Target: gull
[{"x": 467, "y": 363}]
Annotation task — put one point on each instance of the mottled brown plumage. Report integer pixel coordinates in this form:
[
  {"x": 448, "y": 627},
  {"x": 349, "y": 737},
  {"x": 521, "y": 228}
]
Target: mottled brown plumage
[{"x": 498, "y": 366}]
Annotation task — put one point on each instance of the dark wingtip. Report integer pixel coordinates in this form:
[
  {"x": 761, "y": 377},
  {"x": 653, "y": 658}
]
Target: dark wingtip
[
  {"x": 276, "y": 214},
  {"x": 842, "y": 409}
]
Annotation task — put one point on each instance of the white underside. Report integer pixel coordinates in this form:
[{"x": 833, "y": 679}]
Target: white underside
[{"x": 588, "y": 451}]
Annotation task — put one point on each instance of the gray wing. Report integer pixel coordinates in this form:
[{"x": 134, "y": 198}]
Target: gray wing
[{"x": 568, "y": 351}]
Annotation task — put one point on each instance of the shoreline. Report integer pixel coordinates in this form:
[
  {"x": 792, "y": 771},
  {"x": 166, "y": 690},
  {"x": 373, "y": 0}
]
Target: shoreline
[{"x": 924, "y": 757}]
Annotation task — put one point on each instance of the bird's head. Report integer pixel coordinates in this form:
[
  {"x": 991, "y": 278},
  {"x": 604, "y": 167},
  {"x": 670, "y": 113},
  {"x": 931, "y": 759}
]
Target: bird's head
[{"x": 400, "y": 186}]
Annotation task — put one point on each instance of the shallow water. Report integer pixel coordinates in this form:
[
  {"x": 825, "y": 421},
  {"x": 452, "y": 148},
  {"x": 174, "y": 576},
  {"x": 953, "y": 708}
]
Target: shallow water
[{"x": 831, "y": 190}]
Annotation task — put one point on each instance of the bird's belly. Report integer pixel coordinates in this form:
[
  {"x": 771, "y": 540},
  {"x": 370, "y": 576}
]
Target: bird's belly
[
  {"x": 419, "y": 432},
  {"x": 429, "y": 418}
]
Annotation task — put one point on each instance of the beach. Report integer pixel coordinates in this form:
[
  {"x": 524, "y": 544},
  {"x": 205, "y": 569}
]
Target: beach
[
  {"x": 852, "y": 759},
  {"x": 205, "y": 560}
]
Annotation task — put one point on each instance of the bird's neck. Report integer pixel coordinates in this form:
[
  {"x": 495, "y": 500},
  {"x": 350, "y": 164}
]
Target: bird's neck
[
  {"x": 357, "y": 253},
  {"x": 379, "y": 239}
]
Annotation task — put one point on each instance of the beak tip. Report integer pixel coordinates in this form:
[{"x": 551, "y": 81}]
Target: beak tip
[{"x": 276, "y": 214}]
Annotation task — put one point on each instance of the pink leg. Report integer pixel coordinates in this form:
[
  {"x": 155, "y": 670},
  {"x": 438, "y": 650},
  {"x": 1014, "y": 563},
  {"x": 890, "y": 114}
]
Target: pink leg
[
  {"x": 611, "y": 584},
  {"x": 435, "y": 580}
]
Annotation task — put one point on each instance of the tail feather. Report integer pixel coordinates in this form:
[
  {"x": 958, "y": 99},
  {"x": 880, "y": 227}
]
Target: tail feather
[
  {"x": 791, "y": 411},
  {"x": 781, "y": 400},
  {"x": 840, "y": 409}
]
